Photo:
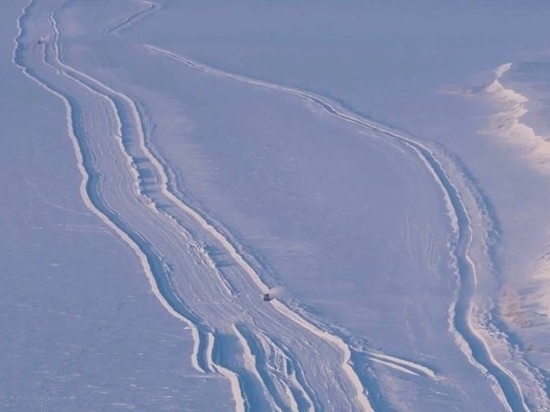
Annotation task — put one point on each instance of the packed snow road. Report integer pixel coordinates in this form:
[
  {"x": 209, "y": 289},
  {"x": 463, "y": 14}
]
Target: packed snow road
[
  {"x": 269, "y": 353},
  {"x": 274, "y": 355}
]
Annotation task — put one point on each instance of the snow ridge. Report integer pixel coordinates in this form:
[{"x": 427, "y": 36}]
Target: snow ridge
[
  {"x": 89, "y": 188},
  {"x": 508, "y": 126},
  {"x": 133, "y": 18},
  {"x": 504, "y": 345},
  {"x": 108, "y": 138},
  {"x": 129, "y": 189},
  {"x": 469, "y": 338},
  {"x": 227, "y": 245}
]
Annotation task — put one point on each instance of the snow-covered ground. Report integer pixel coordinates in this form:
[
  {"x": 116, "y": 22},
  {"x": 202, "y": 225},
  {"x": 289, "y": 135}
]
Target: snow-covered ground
[{"x": 385, "y": 168}]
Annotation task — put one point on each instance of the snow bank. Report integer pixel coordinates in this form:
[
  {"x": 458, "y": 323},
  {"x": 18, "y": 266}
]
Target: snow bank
[{"x": 507, "y": 124}]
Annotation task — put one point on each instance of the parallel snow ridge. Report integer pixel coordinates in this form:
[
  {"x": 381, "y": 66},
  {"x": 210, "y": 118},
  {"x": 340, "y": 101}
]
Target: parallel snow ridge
[
  {"x": 507, "y": 124},
  {"x": 489, "y": 321},
  {"x": 87, "y": 179},
  {"x": 133, "y": 18},
  {"x": 89, "y": 189},
  {"x": 505, "y": 386},
  {"x": 403, "y": 365},
  {"x": 108, "y": 138},
  {"x": 107, "y": 132},
  {"x": 90, "y": 192},
  {"x": 228, "y": 246}
]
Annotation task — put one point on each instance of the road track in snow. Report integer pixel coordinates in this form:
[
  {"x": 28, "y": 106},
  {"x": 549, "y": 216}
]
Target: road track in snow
[
  {"x": 269, "y": 353},
  {"x": 172, "y": 241},
  {"x": 468, "y": 337}
]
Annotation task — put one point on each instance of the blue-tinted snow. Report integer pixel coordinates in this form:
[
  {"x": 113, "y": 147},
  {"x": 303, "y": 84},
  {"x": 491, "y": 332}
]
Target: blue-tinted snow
[
  {"x": 354, "y": 226},
  {"x": 80, "y": 328}
]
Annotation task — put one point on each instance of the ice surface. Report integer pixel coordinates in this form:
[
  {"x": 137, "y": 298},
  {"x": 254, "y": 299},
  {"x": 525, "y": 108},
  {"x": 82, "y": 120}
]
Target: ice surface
[{"x": 184, "y": 159}]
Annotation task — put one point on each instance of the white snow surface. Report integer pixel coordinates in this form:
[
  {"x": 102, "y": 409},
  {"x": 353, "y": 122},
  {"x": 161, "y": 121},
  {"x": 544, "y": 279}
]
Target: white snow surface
[
  {"x": 508, "y": 125},
  {"x": 167, "y": 163}
]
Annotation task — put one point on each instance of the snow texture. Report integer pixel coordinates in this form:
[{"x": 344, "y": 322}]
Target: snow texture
[{"x": 178, "y": 191}]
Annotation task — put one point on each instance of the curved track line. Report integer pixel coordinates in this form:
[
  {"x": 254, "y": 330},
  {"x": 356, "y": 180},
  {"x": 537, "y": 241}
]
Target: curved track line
[
  {"x": 408, "y": 366},
  {"x": 87, "y": 181},
  {"x": 124, "y": 24},
  {"x": 506, "y": 387},
  {"x": 250, "y": 363},
  {"x": 232, "y": 377},
  {"x": 282, "y": 368},
  {"x": 152, "y": 261},
  {"x": 208, "y": 227}
]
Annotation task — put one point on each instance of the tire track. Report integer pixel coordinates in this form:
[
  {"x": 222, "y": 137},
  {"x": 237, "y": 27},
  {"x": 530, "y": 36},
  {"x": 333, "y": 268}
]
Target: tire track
[
  {"x": 133, "y": 18},
  {"x": 469, "y": 339},
  {"x": 105, "y": 129}
]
